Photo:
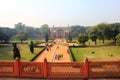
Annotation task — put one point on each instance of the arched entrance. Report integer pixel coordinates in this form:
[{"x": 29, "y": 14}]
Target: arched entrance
[{"x": 60, "y": 33}]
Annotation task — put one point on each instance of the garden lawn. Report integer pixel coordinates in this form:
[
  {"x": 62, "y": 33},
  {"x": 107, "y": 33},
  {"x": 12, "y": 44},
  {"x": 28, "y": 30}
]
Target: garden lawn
[
  {"x": 6, "y": 52},
  {"x": 28, "y": 41},
  {"x": 102, "y": 53}
]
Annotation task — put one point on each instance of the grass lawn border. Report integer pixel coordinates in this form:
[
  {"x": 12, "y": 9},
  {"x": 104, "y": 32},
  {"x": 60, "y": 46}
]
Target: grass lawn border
[
  {"x": 38, "y": 53},
  {"x": 72, "y": 57},
  {"x": 109, "y": 50}
]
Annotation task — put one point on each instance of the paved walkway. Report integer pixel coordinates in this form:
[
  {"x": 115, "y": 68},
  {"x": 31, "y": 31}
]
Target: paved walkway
[{"x": 50, "y": 55}]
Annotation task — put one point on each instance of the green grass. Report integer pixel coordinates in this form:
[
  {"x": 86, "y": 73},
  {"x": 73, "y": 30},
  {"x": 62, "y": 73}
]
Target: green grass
[
  {"x": 6, "y": 52},
  {"x": 28, "y": 41},
  {"x": 99, "y": 42},
  {"x": 100, "y": 53}
]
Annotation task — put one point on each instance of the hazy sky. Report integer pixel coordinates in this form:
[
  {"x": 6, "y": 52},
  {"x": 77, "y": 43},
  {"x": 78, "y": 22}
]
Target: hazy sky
[{"x": 58, "y": 12}]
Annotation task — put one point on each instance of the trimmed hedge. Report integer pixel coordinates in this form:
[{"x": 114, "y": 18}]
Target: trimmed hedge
[
  {"x": 72, "y": 57},
  {"x": 38, "y": 53}
]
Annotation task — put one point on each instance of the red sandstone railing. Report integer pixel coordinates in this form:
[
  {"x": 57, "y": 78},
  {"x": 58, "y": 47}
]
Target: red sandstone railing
[{"x": 66, "y": 70}]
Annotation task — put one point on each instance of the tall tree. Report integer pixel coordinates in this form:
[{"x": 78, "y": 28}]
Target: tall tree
[
  {"x": 77, "y": 29},
  {"x": 6, "y": 34},
  {"x": 22, "y": 35},
  {"x": 1, "y": 34},
  {"x": 115, "y": 27},
  {"x": 31, "y": 47},
  {"x": 103, "y": 31},
  {"x": 46, "y": 37},
  {"x": 45, "y": 30},
  {"x": 93, "y": 34},
  {"x": 118, "y": 39},
  {"x": 70, "y": 37},
  {"x": 83, "y": 38},
  {"x": 16, "y": 51},
  {"x": 32, "y": 33}
]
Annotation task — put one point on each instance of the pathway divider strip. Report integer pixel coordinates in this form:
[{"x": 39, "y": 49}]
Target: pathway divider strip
[{"x": 54, "y": 55}]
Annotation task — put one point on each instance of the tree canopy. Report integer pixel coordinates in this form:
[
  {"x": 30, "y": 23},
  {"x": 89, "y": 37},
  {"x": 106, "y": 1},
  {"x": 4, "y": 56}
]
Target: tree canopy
[{"x": 83, "y": 38}]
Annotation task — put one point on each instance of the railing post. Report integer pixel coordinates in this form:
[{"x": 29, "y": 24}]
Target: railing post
[
  {"x": 45, "y": 70},
  {"x": 16, "y": 67},
  {"x": 86, "y": 68}
]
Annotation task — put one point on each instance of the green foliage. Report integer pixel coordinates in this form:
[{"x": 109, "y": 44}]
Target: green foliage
[
  {"x": 70, "y": 37},
  {"x": 118, "y": 39},
  {"x": 1, "y": 34},
  {"x": 45, "y": 29},
  {"x": 16, "y": 51},
  {"x": 93, "y": 35},
  {"x": 31, "y": 47},
  {"x": 103, "y": 30},
  {"x": 71, "y": 54},
  {"x": 6, "y": 34},
  {"x": 22, "y": 35},
  {"x": 83, "y": 38},
  {"x": 6, "y": 52},
  {"x": 33, "y": 33},
  {"x": 77, "y": 29},
  {"x": 115, "y": 29},
  {"x": 46, "y": 37}
]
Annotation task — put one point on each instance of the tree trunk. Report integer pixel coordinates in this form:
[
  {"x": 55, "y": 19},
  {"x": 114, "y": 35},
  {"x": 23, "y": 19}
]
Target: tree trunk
[
  {"x": 95, "y": 42},
  {"x": 84, "y": 44},
  {"x": 103, "y": 41},
  {"x": 114, "y": 39},
  {"x": 21, "y": 41}
]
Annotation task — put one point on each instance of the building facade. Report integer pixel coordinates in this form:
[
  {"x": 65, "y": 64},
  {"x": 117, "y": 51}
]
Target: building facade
[{"x": 59, "y": 32}]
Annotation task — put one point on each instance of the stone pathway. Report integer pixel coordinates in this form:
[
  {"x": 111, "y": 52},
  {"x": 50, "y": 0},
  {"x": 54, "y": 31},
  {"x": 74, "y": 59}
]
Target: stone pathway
[{"x": 50, "y": 55}]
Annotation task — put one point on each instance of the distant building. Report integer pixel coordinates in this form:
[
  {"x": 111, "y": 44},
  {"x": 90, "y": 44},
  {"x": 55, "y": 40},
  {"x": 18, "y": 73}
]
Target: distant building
[
  {"x": 19, "y": 26},
  {"x": 59, "y": 32}
]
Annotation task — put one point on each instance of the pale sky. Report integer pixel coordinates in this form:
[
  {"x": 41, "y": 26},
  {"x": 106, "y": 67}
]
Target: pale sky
[{"x": 58, "y": 12}]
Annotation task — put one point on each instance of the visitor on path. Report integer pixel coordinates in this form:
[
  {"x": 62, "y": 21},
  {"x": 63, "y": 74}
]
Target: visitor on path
[
  {"x": 47, "y": 48},
  {"x": 50, "y": 48},
  {"x": 58, "y": 56},
  {"x": 57, "y": 47}
]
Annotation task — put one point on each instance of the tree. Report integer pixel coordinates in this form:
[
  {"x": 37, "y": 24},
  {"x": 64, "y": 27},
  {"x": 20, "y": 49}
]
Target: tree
[
  {"x": 93, "y": 35},
  {"x": 22, "y": 35},
  {"x": 103, "y": 31},
  {"x": 45, "y": 31},
  {"x": 83, "y": 38},
  {"x": 32, "y": 33},
  {"x": 16, "y": 51},
  {"x": 6, "y": 34},
  {"x": 70, "y": 37},
  {"x": 115, "y": 27},
  {"x": 118, "y": 39},
  {"x": 46, "y": 37},
  {"x": 1, "y": 34},
  {"x": 31, "y": 47},
  {"x": 77, "y": 29}
]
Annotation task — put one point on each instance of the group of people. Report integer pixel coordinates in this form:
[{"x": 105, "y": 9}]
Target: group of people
[
  {"x": 48, "y": 47},
  {"x": 58, "y": 56}
]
